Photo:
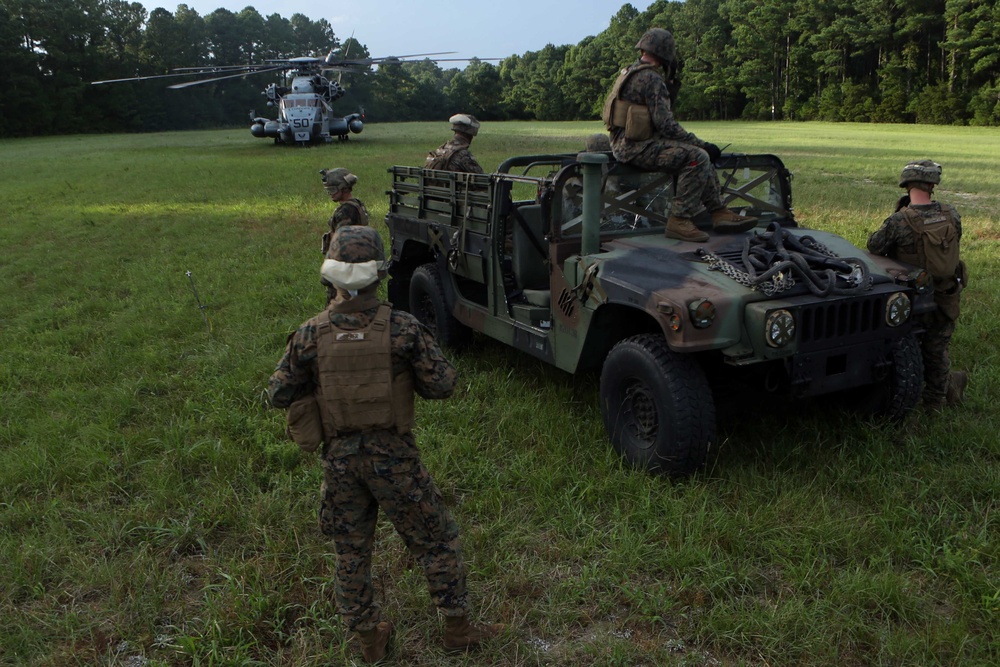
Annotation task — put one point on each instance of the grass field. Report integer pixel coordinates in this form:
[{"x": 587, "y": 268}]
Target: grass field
[{"x": 152, "y": 512}]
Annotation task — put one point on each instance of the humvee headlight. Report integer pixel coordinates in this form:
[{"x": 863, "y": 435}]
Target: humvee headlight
[
  {"x": 779, "y": 328},
  {"x": 897, "y": 309},
  {"x": 702, "y": 313},
  {"x": 923, "y": 282}
]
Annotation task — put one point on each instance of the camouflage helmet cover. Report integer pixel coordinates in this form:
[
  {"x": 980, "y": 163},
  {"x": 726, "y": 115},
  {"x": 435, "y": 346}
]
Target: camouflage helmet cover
[
  {"x": 338, "y": 179},
  {"x": 354, "y": 244},
  {"x": 464, "y": 123},
  {"x": 356, "y": 258},
  {"x": 660, "y": 43},
  {"x": 920, "y": 171},
  {"x": 597, "y": 143}
]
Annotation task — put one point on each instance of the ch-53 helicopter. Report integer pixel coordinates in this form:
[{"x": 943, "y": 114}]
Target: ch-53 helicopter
[{"x": 304, "y": 98}]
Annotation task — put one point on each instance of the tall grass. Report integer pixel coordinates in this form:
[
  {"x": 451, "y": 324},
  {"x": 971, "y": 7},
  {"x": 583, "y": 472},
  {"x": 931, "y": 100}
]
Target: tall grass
[{"x": 152, "y": 512}]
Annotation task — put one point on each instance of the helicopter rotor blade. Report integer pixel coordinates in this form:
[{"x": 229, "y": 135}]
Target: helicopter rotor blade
[
  {"x": 186, "y": 84},
  {"x": 142, "y": 78},
  {"x": 208, "y": 69},
  {"x": 374, "y": 61},
  {"x": 340, "y": 76},
  {"x": 420, "y": 55},
  {"x": 459, "y": 60}
]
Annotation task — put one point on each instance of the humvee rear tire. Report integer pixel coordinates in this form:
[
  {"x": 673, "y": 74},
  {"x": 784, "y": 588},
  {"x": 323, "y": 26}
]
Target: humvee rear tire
[
  {"x": 428, "y": 304},
  {"x": 657, "y": 406}
]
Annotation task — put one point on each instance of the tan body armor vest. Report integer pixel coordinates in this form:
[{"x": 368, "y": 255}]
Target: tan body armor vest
[
  {"x": 618, "y": 113},
  {"x": 936, "y": 246},
  {"x": 357, "y": 389}
]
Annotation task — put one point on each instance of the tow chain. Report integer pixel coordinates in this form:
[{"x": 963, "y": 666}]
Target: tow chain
[
  {"x": 772, "y": 261},
  {"x": 779, "y": 282}
]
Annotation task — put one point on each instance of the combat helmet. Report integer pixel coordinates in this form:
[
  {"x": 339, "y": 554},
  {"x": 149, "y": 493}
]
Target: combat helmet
[
  {"x": 464, "y": 123},
  {"x": 356, "y": 258},
  {"x": 920, "y": 171},
  {"x": 660, "y": 43},
  {"x": 338, "y": 179},
  {"x": 597, "y": 143}
]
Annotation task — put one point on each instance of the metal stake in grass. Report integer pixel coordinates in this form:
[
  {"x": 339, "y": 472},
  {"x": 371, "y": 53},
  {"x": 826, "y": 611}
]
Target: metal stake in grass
[{"x": 201, "y": 307}]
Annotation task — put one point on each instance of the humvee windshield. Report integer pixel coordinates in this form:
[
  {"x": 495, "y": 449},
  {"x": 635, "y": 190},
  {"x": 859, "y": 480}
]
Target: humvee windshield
[{"x": 635, "y": 200}]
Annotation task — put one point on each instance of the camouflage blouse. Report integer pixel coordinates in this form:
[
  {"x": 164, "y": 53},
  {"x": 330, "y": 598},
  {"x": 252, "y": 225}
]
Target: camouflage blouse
[{"x": 350, "y": 212}]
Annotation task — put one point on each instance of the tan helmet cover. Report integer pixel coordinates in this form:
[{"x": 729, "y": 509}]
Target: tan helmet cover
[
  {"x": 338, "y": 179},
  {"x": 464, "y": 123}
]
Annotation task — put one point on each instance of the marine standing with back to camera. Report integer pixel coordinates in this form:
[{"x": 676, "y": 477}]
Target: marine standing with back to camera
[
  {"x": 926, "y": 233},
  {"x": 644, "y": 133},
  {"x": 347, "y": 378},
  {"x": 339, "y": 184}
]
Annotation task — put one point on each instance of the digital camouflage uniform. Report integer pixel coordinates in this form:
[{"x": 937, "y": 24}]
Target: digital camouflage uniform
[
  {"x": 454, "y": 156},
  {"x": 671, "y": 148},
  {"x": 368, "y": 470},
  {"x": 896, "y": 237},
  {"x": 350, "y": 212}
]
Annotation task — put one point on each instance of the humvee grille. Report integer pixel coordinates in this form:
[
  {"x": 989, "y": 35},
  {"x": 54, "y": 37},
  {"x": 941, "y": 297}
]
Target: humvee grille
[{"x": 823, "y": 322}]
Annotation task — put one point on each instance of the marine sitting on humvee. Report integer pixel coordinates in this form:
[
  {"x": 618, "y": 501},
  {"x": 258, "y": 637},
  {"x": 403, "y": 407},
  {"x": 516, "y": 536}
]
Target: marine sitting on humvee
[{"x": 638, "y": 113}]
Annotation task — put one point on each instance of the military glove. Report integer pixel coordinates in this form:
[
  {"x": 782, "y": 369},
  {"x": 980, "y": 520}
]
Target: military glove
[{"x": 714, "y": 152}]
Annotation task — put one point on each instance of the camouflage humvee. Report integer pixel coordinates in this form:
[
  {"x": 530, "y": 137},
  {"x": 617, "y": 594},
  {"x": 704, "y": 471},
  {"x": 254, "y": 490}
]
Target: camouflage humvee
[{"x": 563, "y": 257}]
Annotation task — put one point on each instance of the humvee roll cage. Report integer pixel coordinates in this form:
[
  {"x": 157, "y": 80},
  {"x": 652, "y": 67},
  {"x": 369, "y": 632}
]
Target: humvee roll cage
[{"x": 634, "y": 199}]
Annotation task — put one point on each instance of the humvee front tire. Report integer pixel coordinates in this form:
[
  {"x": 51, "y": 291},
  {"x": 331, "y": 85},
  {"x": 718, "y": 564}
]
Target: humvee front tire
[
  {"x": 429, "y": 305},
  {"x": 657, "y": 406}
]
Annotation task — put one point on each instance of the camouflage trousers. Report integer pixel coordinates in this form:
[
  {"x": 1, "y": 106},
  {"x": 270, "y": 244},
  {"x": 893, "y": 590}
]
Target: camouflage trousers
[
  {"x": 697, "y": 183},
  {"x": 934, "y": 349},
  {"x": 354, "y": 488}
]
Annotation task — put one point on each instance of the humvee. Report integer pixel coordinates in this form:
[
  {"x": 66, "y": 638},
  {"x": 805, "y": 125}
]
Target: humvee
[{"x": 563, "y": 256}]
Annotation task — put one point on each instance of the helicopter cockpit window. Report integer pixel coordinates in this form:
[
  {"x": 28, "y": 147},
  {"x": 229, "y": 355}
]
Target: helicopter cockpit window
[{"x": 311, "y": 101}]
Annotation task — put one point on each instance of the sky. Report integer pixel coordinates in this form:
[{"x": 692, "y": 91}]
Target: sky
[{"x": 473, "y": 28}]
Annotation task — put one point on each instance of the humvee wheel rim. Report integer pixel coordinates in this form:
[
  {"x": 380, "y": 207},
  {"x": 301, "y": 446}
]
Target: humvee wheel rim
[
  {"x": 427, "y": 313},
  {"x": 639, "y": 408}
]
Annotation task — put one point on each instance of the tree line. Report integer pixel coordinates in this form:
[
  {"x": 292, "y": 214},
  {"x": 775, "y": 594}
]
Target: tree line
[{"x": 923, "y": 61}]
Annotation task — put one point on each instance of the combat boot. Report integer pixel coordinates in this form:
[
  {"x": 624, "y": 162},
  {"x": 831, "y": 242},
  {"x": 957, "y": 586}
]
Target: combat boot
[
  {"x": 374, "y": 641},
  {"x": 933, "y": 404},
  {"x": 460, "y": 635},
  {"x": 725, "y": 221},
  {"x": 957, "y": 382},
  {"x": 683, "y": 229}
]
